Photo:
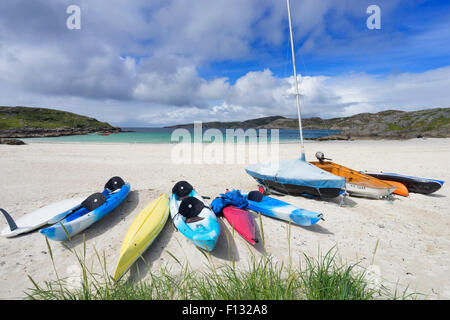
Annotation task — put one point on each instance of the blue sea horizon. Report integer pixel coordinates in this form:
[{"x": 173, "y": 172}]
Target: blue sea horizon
[{"x": 164, "y": 135}]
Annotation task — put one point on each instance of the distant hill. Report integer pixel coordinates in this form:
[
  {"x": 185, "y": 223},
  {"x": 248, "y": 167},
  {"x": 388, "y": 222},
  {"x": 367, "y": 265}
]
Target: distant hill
[
  {"x": 22, "y": 122},
  {"x": 252, "y": 123},
  {"x": 385, "y": 124}
]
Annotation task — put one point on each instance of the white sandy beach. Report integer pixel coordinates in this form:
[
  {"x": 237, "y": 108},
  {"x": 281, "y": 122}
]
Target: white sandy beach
[{"x": 413, "y": 232}]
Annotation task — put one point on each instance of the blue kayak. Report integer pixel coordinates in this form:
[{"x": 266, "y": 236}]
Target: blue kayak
[
  {"x": 91, "y": 210},
  {"x": 278, "y": 209}
]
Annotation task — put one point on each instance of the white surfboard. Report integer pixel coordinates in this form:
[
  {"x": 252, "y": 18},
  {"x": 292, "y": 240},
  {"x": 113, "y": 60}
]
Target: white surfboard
[{"x": 46, "y": 215}]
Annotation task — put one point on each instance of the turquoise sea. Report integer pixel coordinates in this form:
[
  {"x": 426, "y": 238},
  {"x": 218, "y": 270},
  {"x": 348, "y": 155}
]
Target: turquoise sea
[{"x": 164, "y": 135}]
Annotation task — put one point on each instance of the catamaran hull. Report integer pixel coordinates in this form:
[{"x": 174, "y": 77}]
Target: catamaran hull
[{"x": 298, "y": 190}]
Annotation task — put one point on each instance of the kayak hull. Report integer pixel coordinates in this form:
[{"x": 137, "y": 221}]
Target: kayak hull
[
  {"x": 203, "y": 233},
  {"x": 144, "y": 229},
  {"x": 278, "y": 209},
  {"x": 358, "y": 184},
  {"x": 413, "y": 184},
  {"x": 74, "y": 224},
  {"x": 242, "y": 222}
]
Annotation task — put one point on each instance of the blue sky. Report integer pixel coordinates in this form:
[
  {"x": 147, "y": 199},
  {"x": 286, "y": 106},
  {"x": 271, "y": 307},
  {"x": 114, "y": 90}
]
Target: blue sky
[
  {"x": 413, "y": 38},
  {"x": 155, "y": 63}
]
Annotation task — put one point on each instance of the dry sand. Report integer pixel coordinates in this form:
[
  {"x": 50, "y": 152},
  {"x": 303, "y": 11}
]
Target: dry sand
[{"x": 413, "y": 232}]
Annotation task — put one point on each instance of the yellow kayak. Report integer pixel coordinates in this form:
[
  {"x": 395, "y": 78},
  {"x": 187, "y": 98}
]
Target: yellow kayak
[{"x": 143, "y": 230}]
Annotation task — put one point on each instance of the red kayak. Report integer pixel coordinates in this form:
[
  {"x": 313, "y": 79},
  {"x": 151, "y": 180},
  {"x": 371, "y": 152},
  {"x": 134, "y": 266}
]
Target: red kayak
[{"x": 242, "y": 222}]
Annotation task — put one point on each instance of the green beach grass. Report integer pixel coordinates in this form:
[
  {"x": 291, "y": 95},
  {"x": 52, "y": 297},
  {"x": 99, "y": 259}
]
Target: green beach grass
[{"x": 321, "y": 278}]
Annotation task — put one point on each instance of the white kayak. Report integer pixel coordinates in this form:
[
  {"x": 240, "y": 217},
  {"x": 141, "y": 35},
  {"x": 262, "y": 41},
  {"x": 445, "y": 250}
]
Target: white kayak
[{"x": 34, "y": 220}]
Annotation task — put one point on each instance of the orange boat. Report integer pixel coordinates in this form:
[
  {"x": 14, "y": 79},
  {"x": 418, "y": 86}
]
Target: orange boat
[
  {"x": 356, "y": 183},
  {"x": 402, "y": 190}
]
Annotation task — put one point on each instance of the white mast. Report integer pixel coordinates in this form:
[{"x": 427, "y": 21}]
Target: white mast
[{"x": 296, "y": 86}]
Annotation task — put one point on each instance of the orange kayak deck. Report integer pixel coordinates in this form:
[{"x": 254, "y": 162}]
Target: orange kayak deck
[{"x": 353, "y": 176}]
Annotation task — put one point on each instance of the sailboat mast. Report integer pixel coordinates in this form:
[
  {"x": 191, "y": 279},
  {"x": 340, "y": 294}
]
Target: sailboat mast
[{"x": 296, "y": 85}]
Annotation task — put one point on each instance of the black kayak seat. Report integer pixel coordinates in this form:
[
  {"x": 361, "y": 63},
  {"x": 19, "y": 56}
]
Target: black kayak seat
[
  {"x": 94, "y": 201},
  {"x": 255, "y": 196},
  {"x": 190, "y": 207},
  {"x": 115, "y": 183},
  {"x": 182, "y": 189}
]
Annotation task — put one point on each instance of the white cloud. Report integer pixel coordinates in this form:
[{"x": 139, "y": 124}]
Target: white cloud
[
  {"x": 263, "y": 94},
  {"x": 225, "y": 109},
  {"x": 406, "y": 91},
  {"x": 215, "y": 89}
]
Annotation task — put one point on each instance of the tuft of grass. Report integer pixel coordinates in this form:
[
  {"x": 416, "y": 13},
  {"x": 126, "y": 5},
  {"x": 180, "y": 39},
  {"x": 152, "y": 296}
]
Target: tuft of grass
[
  {"x": 263, "y": 278},
  {"x": 437, "y": 123},
  {"x": 323, "y": 279},
  {"x": 395, "y": 127}
]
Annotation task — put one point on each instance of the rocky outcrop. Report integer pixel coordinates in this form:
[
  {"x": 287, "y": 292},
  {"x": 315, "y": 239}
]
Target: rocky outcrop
[
  {"x": 334, "y": 137},
  {"x": 12, "y": 142},
  {"x": 58, "y": 132}
]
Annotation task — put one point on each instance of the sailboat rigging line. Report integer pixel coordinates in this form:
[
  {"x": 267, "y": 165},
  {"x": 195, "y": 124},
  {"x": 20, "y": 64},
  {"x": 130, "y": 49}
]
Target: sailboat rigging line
[{"x": 296, "y": 86}]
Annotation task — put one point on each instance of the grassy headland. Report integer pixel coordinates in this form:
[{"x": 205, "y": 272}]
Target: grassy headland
[{"x": 22, "y": 122}]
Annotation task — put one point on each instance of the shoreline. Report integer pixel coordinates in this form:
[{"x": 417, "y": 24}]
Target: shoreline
[
  {"x": 318, "y": 140},
  {"x": 412, "y": 233}
]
